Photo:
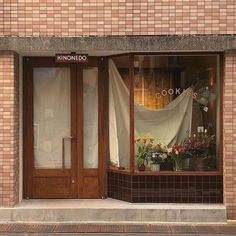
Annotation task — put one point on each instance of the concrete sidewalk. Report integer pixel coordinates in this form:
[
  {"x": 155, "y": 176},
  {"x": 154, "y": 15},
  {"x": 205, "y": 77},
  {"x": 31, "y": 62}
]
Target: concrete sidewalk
[
  {"x": 108, "y": 234},
  {"x": 118, "y": 229}
]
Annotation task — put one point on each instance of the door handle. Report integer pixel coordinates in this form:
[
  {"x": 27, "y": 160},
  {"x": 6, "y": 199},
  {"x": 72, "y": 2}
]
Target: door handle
[
  {"x": 63, "y": 149},
  {"x": 68, "y": 137}
]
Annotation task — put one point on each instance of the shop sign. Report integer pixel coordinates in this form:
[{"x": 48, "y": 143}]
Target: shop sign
[
  {"x": 176, "y": 91},
  {"x": 78, "y": 58}
]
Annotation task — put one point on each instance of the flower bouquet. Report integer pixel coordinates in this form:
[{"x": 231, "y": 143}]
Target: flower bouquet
[
  {"x": 158, "y": 154},
  {"x": 177, "y": 154},
  {"x": 198, "y": 147},
  {"x": 144, "y": 145}
]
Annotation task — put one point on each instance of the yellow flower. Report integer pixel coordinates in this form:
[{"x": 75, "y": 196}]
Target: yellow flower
[
  {"x": 144, "y": 139},
  {"x": 151, "y": 139},
  {"x": 137, "y": 139}
]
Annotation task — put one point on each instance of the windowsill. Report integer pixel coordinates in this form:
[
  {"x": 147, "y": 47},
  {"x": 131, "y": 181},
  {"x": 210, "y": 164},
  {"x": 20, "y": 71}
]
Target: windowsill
[
  {"x": 118, "y": 170},
  {"x": 164, "y": 172}
]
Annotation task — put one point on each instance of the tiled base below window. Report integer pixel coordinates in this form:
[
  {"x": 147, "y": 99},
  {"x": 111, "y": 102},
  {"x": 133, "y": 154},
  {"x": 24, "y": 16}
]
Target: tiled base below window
[{"x": 165, "y": 189}]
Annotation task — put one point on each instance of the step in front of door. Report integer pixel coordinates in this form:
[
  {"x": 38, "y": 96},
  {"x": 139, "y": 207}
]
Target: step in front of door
[{"x": 134, "y": 213}]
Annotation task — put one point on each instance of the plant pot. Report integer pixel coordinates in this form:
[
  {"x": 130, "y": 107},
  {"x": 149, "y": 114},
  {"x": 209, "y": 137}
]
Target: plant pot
[
  {"x": 141, "y": 168},
  {"x": 199, "y": 164},
  {"x": 155, "y": 167},
  {"x": 188, "y": 164}
]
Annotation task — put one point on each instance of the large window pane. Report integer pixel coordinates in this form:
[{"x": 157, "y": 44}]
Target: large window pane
[
  {"x": 177, "y": 112},
  {"x": 90, "y": 100},
  {"x": 51, "y": 118}
]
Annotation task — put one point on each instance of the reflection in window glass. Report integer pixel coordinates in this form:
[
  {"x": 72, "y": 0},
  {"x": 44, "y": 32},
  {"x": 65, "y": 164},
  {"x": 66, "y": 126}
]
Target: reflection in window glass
[
  {"x": 176, "y": 112},
  {"x": 119, "y": 115}
]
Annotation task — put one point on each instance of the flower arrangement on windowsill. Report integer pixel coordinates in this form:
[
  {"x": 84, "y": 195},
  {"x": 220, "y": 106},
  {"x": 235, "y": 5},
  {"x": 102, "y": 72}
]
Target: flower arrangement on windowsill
[
  {"x": 144, "y": 145},
  {"x": 197, "y": 147},
  {"x": 177, "y": 154},
  {"x": 157, "y": 156}
]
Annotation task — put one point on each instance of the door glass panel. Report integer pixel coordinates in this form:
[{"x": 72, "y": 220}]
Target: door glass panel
[
  {"x": 90, "y": 100},
  {"x": 51, "y": 110}
]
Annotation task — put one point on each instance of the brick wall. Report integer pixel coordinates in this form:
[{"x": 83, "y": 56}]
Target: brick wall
[
  {"x": 229, "y": 140},
  {"x": 116, "y": 17},
  {"x": 9, "y": 130}
]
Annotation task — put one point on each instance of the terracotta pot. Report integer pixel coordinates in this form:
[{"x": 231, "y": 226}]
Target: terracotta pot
[
  {"x": 141, "y": 168},
  {"x": 199, "y": 164}
]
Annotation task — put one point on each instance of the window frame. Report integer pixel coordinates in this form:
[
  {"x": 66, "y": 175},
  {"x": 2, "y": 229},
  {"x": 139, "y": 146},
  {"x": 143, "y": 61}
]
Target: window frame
[{"x": 220, "y": 71}]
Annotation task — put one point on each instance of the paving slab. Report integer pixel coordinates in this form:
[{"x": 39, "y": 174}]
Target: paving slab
[{"x": 119, "y": 229}]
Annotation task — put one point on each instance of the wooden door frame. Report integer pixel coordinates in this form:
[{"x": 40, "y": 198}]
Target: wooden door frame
[
  {"x": 28, "y": 152},
  {"x": 29, "y": 173},
  {"x": 101, "y": 172}
]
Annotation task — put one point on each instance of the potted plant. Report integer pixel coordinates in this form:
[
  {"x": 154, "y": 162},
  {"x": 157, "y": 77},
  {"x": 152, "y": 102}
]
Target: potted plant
[
  {"x": 177, "y": 154},
  {"x": 158, "y": 155},
  {"x": 198, "y": 146},
  {"x": 144, "y": 145}
]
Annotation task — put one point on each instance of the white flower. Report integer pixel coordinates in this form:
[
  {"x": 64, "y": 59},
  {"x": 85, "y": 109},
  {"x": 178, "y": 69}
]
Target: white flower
[
  {"x": 176, "y": 152},
  {"x": 164, "y": 156}
]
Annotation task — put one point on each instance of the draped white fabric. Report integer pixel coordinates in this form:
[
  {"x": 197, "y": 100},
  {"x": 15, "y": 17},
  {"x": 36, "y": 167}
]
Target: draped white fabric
[
  {"x": 118, "y": 118},
  {"x": 169, "y": 125}
]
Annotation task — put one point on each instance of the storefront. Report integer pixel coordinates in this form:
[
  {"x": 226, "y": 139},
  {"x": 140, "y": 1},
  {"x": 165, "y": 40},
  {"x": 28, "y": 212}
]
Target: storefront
[
  {"x": 138, "y": 127},
  {"x": 128, "y": 101}
]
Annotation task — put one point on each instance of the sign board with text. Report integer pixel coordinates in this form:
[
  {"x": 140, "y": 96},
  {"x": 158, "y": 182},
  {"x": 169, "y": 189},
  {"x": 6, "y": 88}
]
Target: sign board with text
[{"x": 78, "y": 58}]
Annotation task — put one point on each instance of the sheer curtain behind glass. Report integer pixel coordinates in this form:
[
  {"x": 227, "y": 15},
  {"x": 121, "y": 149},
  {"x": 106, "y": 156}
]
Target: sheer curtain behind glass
[
  {"x": 90, "y": 100},
  {"x": 51, "y": 117}
]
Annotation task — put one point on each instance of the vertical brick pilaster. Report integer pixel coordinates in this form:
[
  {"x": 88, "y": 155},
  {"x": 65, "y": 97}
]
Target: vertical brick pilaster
[
  {"x": 229, "y": 135},
  {"x": 9, "y": 129}
]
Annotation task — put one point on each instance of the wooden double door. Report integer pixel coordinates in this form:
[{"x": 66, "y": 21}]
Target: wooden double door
[{"x": 64, "y": 128}]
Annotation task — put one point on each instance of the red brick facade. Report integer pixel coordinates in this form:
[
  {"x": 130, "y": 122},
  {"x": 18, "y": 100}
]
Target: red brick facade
[
  {"x": 116, "y": 17},
  {"x": 9, "y": 128},
  {"x": 229, "y": 142},
  {"x": 110, "y": 17}
]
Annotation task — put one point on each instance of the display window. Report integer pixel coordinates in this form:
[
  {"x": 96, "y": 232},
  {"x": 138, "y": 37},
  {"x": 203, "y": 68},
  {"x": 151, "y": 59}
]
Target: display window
[{"x": 164, "y": 113}]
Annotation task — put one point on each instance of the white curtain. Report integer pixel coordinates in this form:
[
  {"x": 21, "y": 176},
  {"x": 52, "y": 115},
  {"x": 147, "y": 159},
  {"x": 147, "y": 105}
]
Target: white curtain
[
  {"x": 118, "y": 118},
  {"x": 169, "y": 125},
  {"x": 51, "y": 117},
  {"x": 90, "y": 100}
]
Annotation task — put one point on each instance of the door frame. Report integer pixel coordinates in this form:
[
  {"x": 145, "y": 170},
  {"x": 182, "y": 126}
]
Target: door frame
[
  {"x": 81, "y": 188},
  {"x": 88, "y": 175}
]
